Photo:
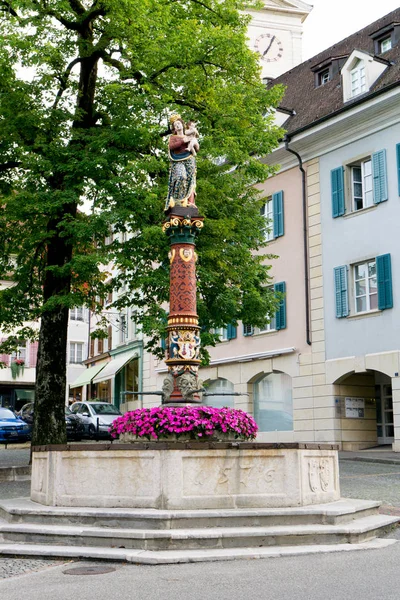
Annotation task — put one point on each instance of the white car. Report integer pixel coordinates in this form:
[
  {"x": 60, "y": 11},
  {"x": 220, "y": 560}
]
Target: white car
[{"x": 96, "y": 417}]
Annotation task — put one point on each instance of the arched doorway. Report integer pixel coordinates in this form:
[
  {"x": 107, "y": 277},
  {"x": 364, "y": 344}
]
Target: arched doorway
[
  {"x": 273, "y": 403},
  {"x": 364, "y": 404},
  {"x": 221, "y": 388}
]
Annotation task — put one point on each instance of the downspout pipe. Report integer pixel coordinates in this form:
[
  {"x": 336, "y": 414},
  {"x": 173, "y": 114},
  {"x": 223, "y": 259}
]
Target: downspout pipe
[{"x": 305, "y": 233}]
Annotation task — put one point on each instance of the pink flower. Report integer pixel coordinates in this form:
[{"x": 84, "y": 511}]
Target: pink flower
[{"x": 161, "y": 422}]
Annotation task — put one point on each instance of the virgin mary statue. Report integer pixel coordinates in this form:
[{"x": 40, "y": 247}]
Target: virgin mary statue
[{"x": 182, "y": 172}]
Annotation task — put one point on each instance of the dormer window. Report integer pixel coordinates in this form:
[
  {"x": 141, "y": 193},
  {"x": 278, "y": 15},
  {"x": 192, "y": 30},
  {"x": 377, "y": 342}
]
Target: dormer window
[
  {"x": 358, "y": 80},
  {"x": 359, "y": 73},
  {"x": 323, "y": 77},
  {"x": 326, "y": 71},
  {"x": 386, "y": 38},
  {"x": 385, "y": 45}
]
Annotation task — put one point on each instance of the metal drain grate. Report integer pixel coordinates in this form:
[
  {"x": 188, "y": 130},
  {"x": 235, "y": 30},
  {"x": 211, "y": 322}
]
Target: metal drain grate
[{"x": 89, "y": 570}]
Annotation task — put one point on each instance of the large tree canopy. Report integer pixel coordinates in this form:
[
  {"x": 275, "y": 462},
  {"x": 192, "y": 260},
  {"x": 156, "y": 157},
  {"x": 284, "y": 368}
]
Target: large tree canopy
[{"x": 86, "y": 89}]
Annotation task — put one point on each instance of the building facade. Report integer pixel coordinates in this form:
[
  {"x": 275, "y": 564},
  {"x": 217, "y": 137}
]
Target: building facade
[{"x": 345, "y": 128}]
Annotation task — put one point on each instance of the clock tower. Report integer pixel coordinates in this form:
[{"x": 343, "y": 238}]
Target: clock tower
[{"x": 275, "y": 33}]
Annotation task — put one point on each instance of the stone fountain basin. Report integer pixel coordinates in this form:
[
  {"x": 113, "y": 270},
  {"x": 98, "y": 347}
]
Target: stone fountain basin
[{"x": 185, "y": 475}]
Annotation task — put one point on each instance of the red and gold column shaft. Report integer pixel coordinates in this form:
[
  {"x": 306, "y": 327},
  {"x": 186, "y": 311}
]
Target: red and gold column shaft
[{"x": 183, "y": 345}]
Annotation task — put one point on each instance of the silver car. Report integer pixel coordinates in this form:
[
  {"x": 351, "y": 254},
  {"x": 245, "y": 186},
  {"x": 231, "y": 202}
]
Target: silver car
[{"x": 96, "y": 417}]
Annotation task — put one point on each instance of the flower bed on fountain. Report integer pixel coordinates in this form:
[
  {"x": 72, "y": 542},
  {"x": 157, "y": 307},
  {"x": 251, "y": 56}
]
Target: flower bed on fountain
[{"x": 184, "y": 422}]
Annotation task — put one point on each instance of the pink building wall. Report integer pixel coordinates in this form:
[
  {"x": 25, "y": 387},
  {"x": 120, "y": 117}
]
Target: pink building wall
[{"x": 288, "y": 267}]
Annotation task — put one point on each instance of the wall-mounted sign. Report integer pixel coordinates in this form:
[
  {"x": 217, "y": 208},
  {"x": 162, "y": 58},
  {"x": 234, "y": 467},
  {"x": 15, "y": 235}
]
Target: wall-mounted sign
[{"x": 354, "y": 408}]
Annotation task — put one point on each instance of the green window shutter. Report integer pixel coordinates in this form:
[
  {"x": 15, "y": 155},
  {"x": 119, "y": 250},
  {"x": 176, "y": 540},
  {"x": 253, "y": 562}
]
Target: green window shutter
[
  {"x": 342, "y": 300},
  {"x": 337, "y": 189},
  {"x": 280, "y": 315},
  {"x": 231, "y": 331},
  {"x": 163, "y": 343},
  {"x": 384, "y": 281},
  {"x": 380, "y": 176},
  {"x": 278, "y": 214},
  {"x": 398, "y": 165},
  {"x": 248, "y": 330}
]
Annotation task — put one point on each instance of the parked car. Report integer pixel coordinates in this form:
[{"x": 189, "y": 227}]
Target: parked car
[
  {"x": 96, "y": 417},
  {"x": 74, "y": 426},
  {"x": 13, "y": 428}
]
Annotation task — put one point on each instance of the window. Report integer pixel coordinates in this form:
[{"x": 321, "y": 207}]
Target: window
[
  {"x": 362, "y": 185},
  {"x": 385, "y": 44},
  {"x": 123, "y": 329},
  {"x": 76, "y": 314},
  {"x": 277, "y": 321},
  {"x": 372, "y": 286},
  {"x": 273, "y": 404},
  {"x": 365, "y": 287},
  {"x": 75, "y": 352},
  {"x": 247, "y": 330},
  {"x": 323, "y": 77},
  {"x": 222, "y": 333},
  {"x": 271, "y": 326},
  {"x": 358, "y": 78},
  {"x": 226, "y": 333},
  {"x": 273, "y": 212},
  {"x": 366, "y": 181},
  {"x": 20, "y": 352},
  {"x": 268, "y": 213}
]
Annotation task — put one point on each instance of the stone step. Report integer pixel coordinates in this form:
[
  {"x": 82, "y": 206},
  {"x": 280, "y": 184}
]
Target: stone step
[
  {"x": 187, "y": 556},
  {"x": 357, "y": 531},
  {"x": 23, "y": 510}
]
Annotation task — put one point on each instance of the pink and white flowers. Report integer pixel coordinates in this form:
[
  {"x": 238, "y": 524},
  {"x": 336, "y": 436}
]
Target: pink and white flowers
[{"x": 200, "y": 422}]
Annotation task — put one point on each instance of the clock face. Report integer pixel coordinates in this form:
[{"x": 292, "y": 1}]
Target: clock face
[{"x": 269, "y": 47}]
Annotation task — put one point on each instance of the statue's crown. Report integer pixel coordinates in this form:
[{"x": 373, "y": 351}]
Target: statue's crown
[{"x": 174, "y": 118}]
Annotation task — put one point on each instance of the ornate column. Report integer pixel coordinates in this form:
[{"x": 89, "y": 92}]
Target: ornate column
[{"x": 183, "y": 346}]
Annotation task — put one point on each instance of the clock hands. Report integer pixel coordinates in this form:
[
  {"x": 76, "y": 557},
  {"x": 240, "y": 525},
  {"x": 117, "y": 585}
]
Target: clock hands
[{"x": 270, "y": 44}]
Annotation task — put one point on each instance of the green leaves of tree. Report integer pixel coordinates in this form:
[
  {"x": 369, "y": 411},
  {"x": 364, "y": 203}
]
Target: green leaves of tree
[{"x": 86, "y": 89}]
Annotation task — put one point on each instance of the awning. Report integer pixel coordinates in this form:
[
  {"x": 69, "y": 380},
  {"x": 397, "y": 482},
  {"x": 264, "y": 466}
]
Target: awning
[
  {"x": 86, "y": 376},
  {"x": 115, "y": 365}
]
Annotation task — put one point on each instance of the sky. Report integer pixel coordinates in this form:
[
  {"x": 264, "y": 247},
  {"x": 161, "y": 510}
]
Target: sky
[{"x": 332, "y": 20}]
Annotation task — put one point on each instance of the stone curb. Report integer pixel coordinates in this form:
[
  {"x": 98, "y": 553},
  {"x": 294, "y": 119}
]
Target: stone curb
[
  {"x": 15, "y": 473},
  {"x": 148, "y": 557}
]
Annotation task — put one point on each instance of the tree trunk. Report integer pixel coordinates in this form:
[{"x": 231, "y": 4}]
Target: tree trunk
[{"x": 50, "y": 390}]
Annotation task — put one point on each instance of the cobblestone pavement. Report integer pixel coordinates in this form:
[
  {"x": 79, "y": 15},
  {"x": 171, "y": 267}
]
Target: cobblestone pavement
[
  {"x": 14, "y": 456},
  {"x": 12, "y": 567},
  {"x": 370, "y": 481},
  {"x": 14, "y": 489}
]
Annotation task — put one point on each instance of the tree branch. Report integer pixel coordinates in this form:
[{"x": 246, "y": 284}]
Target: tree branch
[
  {"x": 182, "y": 66},
  {"x": 64, "y": 80},
  {"x": 8, "y": 8},
  {"x": 73, "y": 25},
  {"x": 123, "y": 70},
  {"x": 201, "y": 4},
  {"x": 77, "y": 7},
  {"x": 91, "y": 16}
]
